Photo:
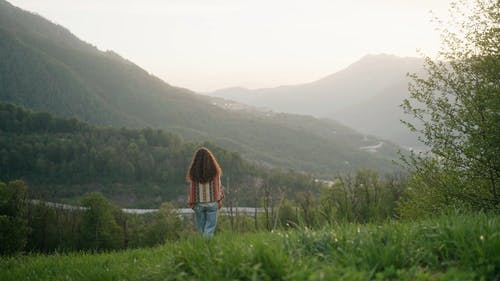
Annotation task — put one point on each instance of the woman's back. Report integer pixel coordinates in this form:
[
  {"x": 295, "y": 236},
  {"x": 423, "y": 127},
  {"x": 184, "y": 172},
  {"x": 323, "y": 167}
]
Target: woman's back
[{"x": 206, "y": 192}]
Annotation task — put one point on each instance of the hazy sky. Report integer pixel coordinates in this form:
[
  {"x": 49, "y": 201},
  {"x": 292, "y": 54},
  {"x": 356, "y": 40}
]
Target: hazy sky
[{"x": 204, "y": 45}]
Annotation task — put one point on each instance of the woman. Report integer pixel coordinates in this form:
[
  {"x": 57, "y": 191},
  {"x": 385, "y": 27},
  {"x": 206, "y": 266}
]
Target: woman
[{"x": 205, "y": 190}]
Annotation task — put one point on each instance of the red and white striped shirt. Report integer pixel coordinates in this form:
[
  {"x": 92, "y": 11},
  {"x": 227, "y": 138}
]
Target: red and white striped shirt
[{"x": 211, "y": 191}]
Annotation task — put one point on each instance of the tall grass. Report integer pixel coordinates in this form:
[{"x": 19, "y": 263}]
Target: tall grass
[{"x": 455, "y": 247}]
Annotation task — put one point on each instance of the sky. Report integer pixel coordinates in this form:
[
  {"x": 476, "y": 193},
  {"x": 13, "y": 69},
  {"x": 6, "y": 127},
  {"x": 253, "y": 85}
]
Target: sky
[{"x": 204, "y": 45}]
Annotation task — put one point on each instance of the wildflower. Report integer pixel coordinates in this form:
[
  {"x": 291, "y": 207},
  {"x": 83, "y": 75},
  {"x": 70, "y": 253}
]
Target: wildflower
[{"x": 481, "y": 238}]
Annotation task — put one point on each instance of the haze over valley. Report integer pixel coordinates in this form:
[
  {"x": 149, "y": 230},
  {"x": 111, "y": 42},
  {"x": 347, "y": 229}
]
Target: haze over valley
[
  {"x": 47, "y": 69},
  {"x": 346, "y": 121},
  {"x": 364, "y": 96}
]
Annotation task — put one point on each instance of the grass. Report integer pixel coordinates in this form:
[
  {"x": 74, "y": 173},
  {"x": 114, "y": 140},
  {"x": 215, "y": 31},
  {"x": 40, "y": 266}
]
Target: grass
[{"x": 455, "y": 247}]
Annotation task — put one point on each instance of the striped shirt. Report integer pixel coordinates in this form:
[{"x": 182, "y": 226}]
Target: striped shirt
[{"x": 211, "y": 191}]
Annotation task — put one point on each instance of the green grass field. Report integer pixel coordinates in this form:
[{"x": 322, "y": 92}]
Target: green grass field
[{"x": 454, "y": 247}]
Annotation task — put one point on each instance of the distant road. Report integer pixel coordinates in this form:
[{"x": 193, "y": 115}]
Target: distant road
[
  {"x": 372, "y": 148},
  {"x": 243, "y": 211}
]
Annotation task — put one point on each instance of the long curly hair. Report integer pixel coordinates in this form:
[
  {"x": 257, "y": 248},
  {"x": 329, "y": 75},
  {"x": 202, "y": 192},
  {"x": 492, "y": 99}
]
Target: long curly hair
[{"x": 204, "y": 167}]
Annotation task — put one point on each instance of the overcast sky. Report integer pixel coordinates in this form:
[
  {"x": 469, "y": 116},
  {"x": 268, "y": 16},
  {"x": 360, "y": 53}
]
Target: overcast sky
[{"x": 205, "y": 45}]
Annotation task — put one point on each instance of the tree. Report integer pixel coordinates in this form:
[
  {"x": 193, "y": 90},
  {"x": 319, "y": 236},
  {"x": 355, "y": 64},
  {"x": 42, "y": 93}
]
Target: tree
[
  {"x": 307, "y": 204},
  {"x": 13, "y": 223},
  {"x": 42, "y": 220},
  {"x": 456, "y": 108},
  {"x": 100, "y": 229},
  {"x": 166, "y": 225}
]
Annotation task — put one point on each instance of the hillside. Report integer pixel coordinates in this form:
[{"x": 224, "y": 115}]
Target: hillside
[
  {"x": 46, "y": 68},
  {"x": 62, "y": 159},
  {"x": 365, "y": 96}
]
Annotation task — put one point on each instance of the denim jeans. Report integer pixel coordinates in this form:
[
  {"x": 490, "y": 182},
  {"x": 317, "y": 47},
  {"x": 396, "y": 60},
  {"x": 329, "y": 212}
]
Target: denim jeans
[{"x": 205, "y": 218}]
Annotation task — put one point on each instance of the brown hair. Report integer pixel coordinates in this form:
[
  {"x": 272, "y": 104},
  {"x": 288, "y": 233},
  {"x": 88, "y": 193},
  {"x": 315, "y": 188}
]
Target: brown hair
[{"x": 204, "y": 167}]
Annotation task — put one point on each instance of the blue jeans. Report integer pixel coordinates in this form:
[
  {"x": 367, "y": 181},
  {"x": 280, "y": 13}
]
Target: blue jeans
[{"x": 205, "y": 218}]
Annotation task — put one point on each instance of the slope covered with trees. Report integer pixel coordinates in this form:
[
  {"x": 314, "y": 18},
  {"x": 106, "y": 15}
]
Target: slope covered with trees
[
  {"x": 61, "y": 159},
  {"x": 46, "y": 68}
]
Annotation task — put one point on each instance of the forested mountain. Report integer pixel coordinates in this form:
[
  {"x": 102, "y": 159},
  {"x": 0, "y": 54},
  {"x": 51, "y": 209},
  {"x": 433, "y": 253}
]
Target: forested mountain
[
  {"x": 365, "y": 96},
  {"x": 62, "y": 159},
  {"x": 46, "y": 68}
]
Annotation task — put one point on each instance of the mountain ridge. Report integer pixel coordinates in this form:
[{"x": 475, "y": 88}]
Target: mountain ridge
[
  {"x": 75, "y": 79},
  {"x": 354, "y": 96}
]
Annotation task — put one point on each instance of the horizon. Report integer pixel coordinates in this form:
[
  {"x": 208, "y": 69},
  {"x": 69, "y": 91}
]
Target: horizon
[{"x": 306, "y": 42}]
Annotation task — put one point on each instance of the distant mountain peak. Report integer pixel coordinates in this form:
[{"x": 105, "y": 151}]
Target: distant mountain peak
[{"x": 365, "y": 95}]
